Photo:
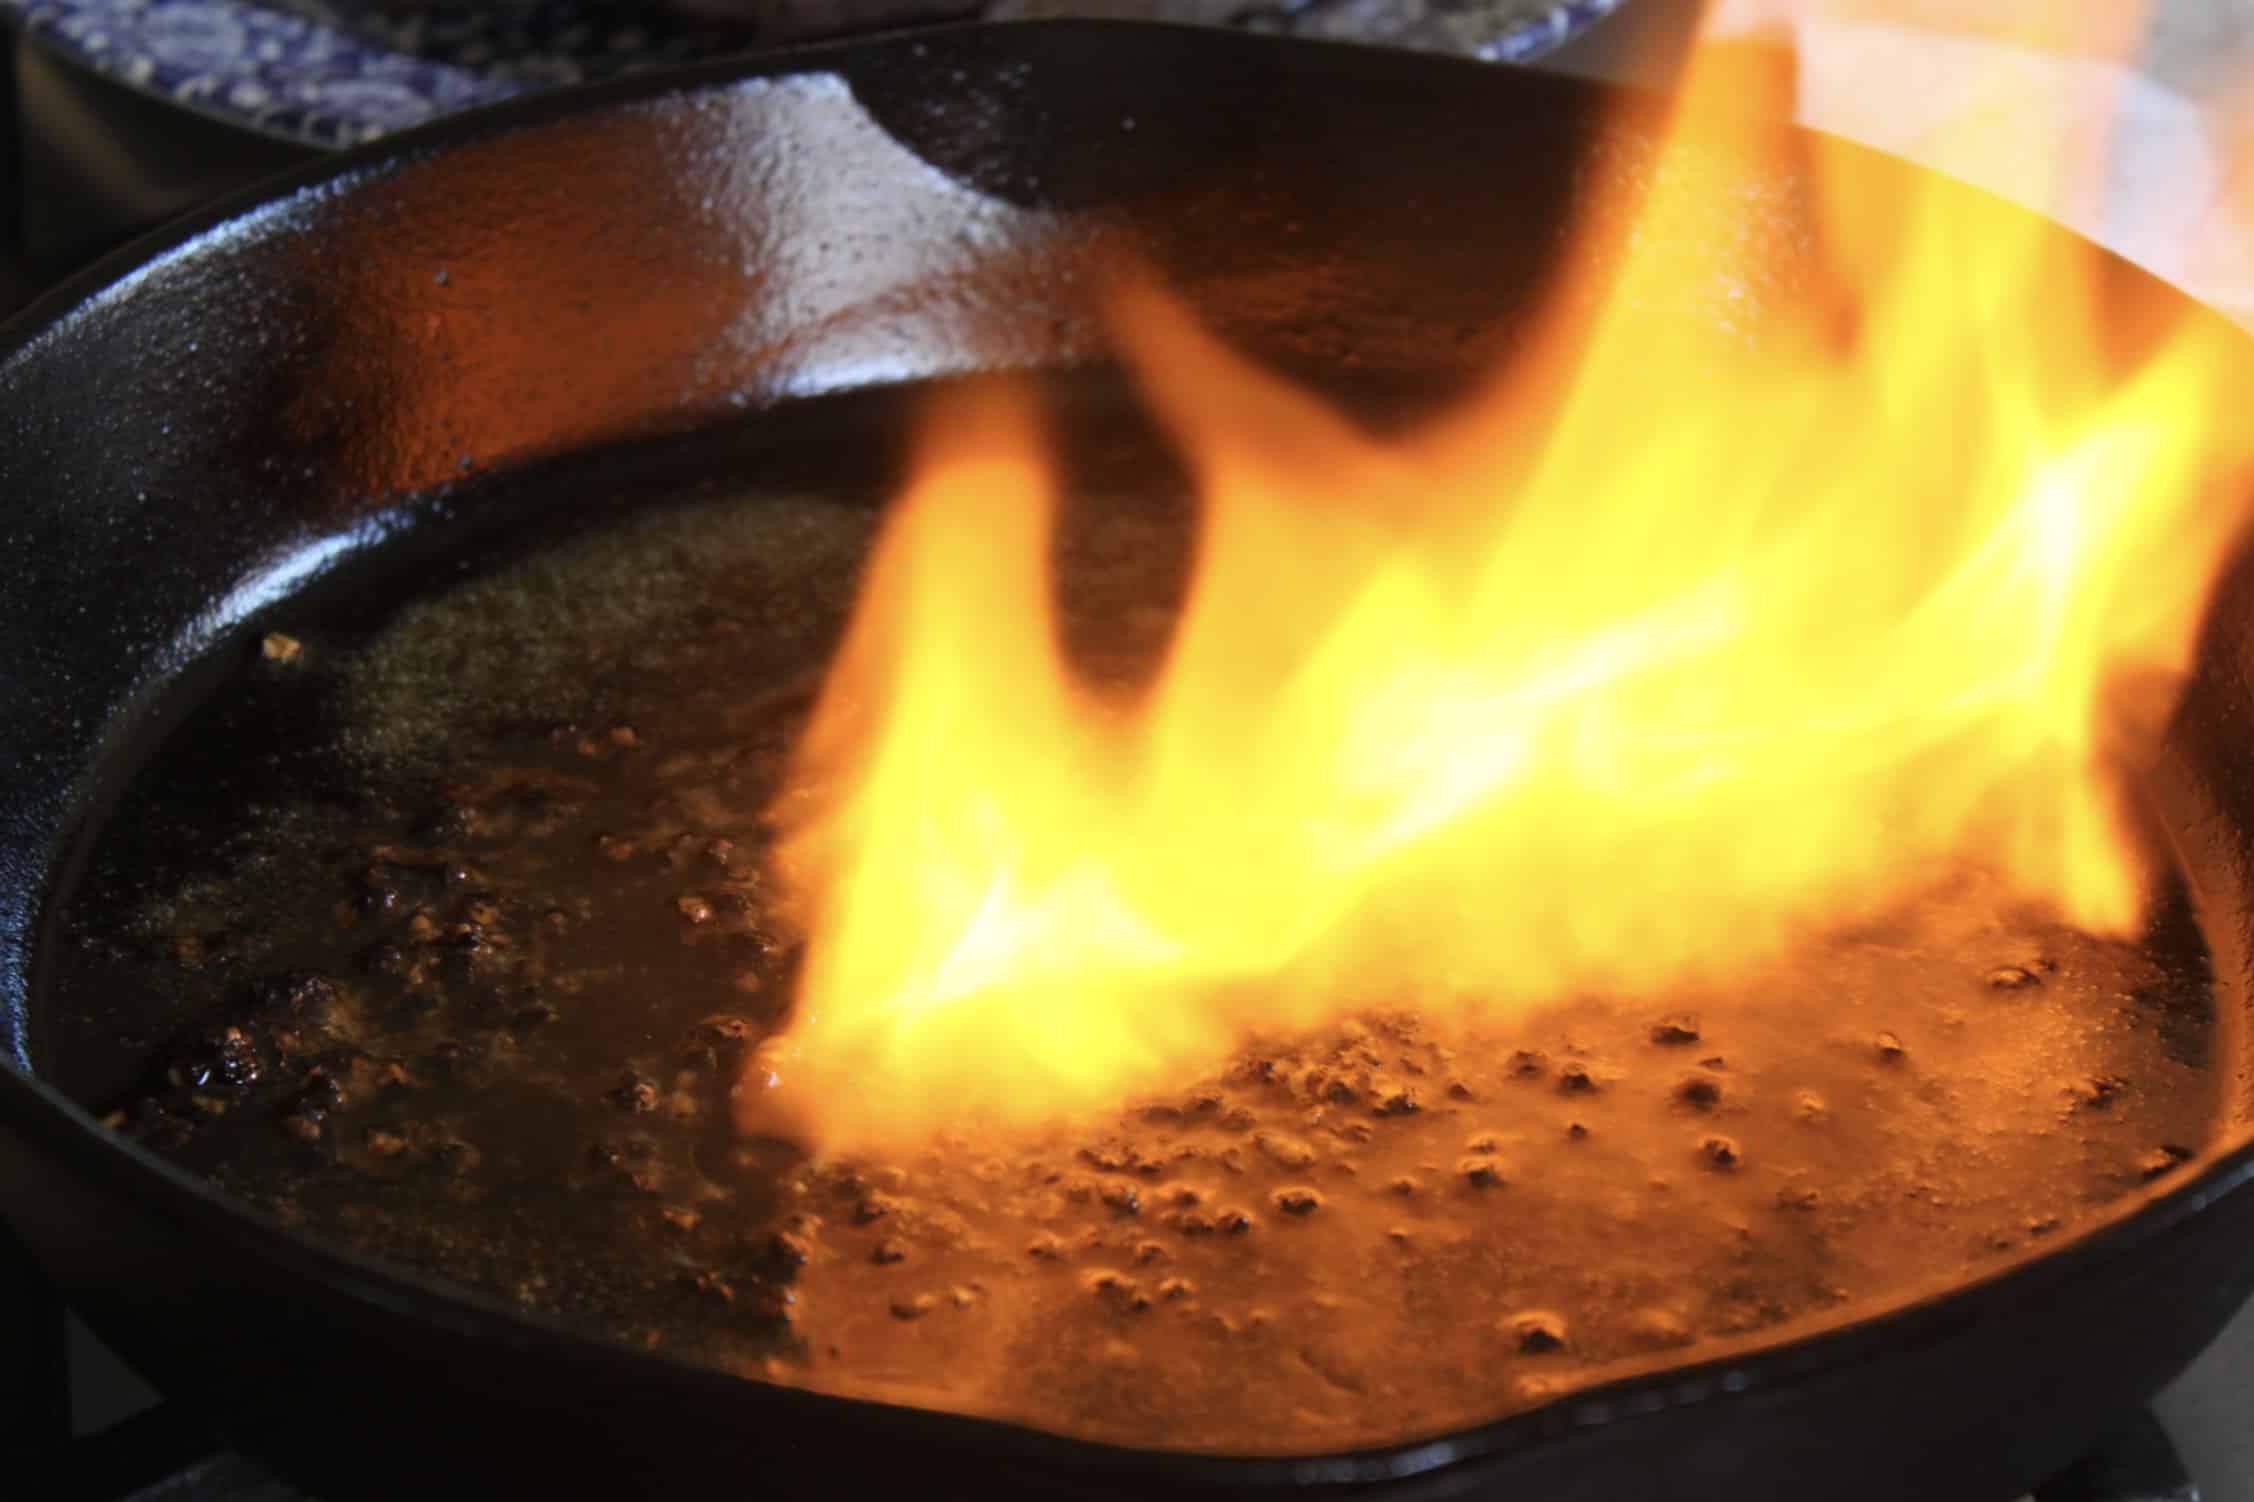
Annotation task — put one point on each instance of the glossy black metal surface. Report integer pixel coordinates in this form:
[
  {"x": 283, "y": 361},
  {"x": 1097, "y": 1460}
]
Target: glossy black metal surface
[{"x": 190, "y": 432}]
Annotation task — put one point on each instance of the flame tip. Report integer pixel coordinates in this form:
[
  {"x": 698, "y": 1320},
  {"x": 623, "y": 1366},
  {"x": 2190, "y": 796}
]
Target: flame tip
[{"x": 1737, "y": 598}]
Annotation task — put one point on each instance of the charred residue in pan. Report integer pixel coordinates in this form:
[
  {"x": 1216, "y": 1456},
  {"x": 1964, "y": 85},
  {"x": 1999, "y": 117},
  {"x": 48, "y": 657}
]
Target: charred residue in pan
[{"x": 445, "y": 936}]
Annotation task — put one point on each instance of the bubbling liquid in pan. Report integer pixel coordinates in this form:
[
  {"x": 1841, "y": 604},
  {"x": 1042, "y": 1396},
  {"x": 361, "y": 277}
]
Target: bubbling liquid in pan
[{"x": 442, "y": 930}]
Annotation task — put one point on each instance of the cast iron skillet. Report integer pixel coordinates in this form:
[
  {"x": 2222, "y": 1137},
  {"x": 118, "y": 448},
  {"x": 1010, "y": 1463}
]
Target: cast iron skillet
[{"x": 223, "y": 412}]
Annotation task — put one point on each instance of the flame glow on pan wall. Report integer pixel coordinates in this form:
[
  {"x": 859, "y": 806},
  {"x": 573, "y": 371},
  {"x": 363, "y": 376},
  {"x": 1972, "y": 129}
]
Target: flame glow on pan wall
[{"x": 1660, "y": 650}]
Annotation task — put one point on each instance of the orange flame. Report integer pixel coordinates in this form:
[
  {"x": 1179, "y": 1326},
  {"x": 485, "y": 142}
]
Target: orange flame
[{"x": 1665, "y": 647}]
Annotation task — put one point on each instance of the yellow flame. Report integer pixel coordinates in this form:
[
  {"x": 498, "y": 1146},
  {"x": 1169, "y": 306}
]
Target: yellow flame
[{"x": 1667, "y": 644}]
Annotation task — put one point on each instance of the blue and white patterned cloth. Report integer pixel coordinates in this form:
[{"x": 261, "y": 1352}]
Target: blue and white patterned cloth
[{"x": 333, "y": 72}]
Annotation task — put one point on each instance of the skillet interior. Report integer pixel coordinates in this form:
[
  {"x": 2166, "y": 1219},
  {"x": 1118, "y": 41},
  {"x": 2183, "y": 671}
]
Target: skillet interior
[
  {"x": 422, "y": 720},
  {"x": 342, "y": 350}
]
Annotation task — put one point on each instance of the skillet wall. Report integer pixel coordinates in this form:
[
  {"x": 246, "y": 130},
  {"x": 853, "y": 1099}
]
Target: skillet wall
[
  {"x": 169, "y": 444},
  {"x": 536, "y": 280},
  {"x": 177, "y": 448}
]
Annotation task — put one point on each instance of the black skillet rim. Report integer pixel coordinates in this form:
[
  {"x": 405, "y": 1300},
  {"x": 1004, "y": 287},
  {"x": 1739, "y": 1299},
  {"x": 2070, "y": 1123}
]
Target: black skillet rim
[{"x": 30, "y": 1105}]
